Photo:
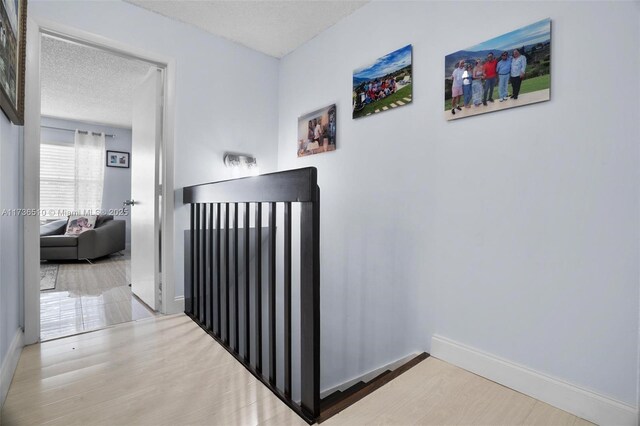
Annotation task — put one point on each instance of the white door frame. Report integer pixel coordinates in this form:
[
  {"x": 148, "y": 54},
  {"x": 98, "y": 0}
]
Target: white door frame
[{"x": 31, "y": 166}]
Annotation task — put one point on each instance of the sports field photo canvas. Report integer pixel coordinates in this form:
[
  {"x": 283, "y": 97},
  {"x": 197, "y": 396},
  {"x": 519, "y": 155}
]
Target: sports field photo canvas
[
  {"x": 508, "y": 71},
  {"x": 384, "y": 84}
]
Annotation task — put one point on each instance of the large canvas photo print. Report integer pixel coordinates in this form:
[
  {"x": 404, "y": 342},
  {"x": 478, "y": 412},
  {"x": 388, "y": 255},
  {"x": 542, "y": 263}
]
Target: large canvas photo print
[
  {"x": 384, "y": 84},
  {"x": 12, "y": 23},
  {"x": 507, "y": 71},
  {"x": 317, "y": 131}
]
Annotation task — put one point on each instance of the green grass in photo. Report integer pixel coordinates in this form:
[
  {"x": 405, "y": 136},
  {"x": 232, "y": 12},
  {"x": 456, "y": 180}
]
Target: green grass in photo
[
  {"x": 528, "y": 85},
  {"x": 398, "y": 96}
]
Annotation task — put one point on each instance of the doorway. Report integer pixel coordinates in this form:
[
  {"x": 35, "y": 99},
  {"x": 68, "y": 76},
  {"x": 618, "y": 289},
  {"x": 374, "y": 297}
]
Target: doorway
[
  {"x": 93, "y": 109},
  {"x": 86, "y": 288}
]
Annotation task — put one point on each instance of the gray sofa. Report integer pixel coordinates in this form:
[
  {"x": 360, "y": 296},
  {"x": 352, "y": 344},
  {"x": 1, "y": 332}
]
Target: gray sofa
[{"x": 106, "y": 238}]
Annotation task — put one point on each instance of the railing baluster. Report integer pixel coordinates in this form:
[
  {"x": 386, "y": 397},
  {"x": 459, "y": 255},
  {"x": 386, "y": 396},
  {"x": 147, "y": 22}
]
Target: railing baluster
[
  {"x": 218, "y": 293},
  {"x": 310, "y": 306},
  {"x": 203, "y": 265},
  {"x": 209, "y": 280},
  {"x": 272, "y": 294},
  {"x": 196, "y": 255},
  {"x": 287, "y": 299},
  {"x": 227, "y": 294},
  {"x": 202, "y": 271},
  {"x": 189, "y": 298},
  {"x": 247, "y": 284},
  {"x": 236, "y": 321},
  {"x": 258, "y": 286}
]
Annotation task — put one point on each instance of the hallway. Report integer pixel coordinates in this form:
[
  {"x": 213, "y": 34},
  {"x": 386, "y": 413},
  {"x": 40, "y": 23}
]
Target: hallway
[{"x": 166, "y": 370}]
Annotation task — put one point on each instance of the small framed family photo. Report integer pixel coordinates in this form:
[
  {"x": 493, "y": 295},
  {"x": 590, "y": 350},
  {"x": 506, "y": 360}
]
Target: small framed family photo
[
  {"x": 508, "y": 71},
  {"x": 384, "y": 84},
  {"x": 317, "y": 131},
  {"x": 118, "y": 159}
]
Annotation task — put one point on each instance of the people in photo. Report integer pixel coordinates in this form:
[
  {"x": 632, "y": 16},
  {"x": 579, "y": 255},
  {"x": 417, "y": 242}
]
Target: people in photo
[
  {"x": 456, "y": 87},
  {"x": 518, "y": 66},
  {"x": 489, "y": 78},
  {"x": 310, "y": 131},
  {"x": 317, "y": 132},
  {"x": 466, "y": 85},
  {"x": 476, "y": 85},
  {"x": 332, "y": 127},
  {"x": 503, "y": 69}
]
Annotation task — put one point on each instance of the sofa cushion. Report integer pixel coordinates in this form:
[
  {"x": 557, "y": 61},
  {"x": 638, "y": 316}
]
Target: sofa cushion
[
  {"x": 79, "y": 224},
  {"x": 59, "y": 241},
  {"x": 102, "y": 219},
  {"x": 53, "y": 228}
]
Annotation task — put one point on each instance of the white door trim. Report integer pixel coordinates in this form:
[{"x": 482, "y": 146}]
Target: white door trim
[{"x": 31, "y": 169}]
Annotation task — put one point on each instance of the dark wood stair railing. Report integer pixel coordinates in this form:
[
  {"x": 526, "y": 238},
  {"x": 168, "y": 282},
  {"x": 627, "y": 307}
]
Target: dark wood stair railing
[
  {"x": 212, "y": 293},
  {"x": 214, "y": 286}
]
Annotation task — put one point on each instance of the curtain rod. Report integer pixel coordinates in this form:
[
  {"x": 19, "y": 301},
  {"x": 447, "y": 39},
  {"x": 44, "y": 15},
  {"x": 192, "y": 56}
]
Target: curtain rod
[{"x": 79, "y": 131}]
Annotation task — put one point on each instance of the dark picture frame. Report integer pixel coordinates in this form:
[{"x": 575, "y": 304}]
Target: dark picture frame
[
  {"x": 13, "y": 35},
  {"x": 118, "y": 159},
  {"x": 317, "y": 131}
]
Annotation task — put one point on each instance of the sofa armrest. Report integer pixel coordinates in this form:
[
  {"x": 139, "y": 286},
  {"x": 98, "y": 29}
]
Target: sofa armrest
[{"x": 108, "y": 238}]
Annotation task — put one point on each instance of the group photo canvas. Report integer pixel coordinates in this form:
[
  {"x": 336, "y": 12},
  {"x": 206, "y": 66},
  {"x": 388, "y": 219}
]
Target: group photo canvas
[
  {"x": 511, "y": 70},
  {"x": 385, "y": 84}
]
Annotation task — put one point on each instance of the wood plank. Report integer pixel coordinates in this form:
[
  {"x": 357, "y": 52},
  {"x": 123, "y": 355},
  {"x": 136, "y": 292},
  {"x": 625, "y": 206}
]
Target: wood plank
[
  {"x": 236, "y": 268},
  {"x": 257, "y": 288},
  {"x": 218, "y": 262},
  {"x": 227, "y": 292},
  {"x": 299, "y": 185},
  {"x": 247, "y": 284},
  {"x": 287, "y": 299},
  {"x": 310, "y": 307},
  {"x": 272, "y": 293}
]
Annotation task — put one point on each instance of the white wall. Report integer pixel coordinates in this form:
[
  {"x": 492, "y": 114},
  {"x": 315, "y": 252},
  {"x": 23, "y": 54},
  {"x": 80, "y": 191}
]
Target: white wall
[
  {"x": 226, "y": 94},
  {"x": 117, "y": 181},
  {"x": 514, "y": 232},
  {"x": 10, "y": 239}
]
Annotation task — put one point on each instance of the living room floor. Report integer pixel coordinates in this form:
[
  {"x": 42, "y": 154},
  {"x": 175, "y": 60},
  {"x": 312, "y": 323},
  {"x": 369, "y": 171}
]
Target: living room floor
[{"x": 87, "y": 297}]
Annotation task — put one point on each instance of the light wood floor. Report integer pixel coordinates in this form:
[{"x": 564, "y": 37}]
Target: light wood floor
[
  {"x": 89, "y": 297},
  {"x": 167, "y": 371}
]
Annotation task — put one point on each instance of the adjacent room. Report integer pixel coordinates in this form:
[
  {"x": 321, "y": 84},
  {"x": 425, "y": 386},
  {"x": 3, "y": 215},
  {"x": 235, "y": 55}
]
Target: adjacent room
[{"x": 85, "y": 188}]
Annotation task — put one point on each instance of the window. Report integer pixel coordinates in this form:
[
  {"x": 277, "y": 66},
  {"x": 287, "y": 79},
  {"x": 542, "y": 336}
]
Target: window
[{"x": 57, "y": 174}]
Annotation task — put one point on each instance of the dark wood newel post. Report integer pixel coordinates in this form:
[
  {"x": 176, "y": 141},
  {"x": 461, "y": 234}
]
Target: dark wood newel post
[{"x": 310, "y": 304}]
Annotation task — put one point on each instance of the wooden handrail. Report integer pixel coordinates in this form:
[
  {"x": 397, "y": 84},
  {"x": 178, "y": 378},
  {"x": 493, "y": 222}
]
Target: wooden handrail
[{"x": 298, "y": 185}]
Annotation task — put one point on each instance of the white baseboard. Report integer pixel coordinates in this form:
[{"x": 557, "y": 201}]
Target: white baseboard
[
  {"x": 177, "y": 306},
  {"x": 586, "y": 404},
  {"x": 10, "y": 363}
]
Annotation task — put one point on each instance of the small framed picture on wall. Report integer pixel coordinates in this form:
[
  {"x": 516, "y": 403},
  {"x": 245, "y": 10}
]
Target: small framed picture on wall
[
  {"x": 317, "y": 131},
  {"x": 118, "y": 159}
]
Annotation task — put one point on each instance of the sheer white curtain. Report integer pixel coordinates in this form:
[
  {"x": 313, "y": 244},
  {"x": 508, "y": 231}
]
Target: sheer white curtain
[{"x": 89, "y": 165}]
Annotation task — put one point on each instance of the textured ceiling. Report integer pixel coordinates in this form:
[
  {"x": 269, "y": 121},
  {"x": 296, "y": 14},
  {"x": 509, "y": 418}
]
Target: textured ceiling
[
  {"x": 86, "y": 84},
  {"x": 272, "y": 27}
]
